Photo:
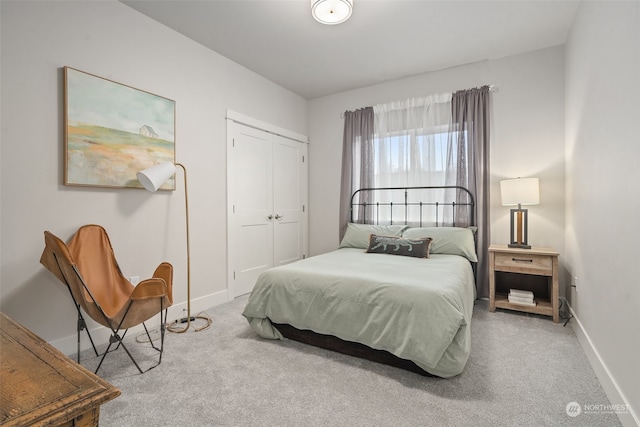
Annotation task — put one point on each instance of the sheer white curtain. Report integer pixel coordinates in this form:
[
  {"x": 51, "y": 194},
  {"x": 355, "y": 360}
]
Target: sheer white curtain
[{"x": 411, "y": 147}]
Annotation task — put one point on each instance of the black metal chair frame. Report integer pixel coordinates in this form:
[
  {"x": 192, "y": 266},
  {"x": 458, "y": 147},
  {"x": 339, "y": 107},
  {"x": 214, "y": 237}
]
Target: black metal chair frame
[{"x": 115, "y": 336}]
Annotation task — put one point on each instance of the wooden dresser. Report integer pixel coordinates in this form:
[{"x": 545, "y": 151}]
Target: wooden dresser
[{"x": 40, "y": 386}]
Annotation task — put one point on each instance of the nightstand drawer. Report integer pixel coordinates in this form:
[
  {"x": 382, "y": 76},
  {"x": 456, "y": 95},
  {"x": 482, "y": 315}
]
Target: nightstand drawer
[{"x": 524, "y": 263}]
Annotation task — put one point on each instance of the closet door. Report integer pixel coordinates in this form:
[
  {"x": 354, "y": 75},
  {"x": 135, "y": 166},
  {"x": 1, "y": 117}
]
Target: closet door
[
  {"x": 250, "y": 226},
  {"x": 267, "y": 182},
  {"x": 288, "y": 206}
]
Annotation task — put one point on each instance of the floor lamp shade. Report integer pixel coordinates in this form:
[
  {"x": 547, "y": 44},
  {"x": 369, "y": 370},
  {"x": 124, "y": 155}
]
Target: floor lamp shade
[
  {"x": 518, "y": 192},
  {"x": 154, "y": 177}
]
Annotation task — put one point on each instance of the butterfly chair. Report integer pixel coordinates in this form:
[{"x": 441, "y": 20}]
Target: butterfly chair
[{"x": 87, "y": 265}]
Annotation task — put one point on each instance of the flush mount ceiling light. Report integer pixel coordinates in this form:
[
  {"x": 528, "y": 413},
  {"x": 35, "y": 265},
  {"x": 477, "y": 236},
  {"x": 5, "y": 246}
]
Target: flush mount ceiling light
[{"x": 331, "y": 12}]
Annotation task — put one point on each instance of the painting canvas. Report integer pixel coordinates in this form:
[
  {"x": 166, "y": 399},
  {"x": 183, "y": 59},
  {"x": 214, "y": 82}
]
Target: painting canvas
[{"x": 113, "y": 131}]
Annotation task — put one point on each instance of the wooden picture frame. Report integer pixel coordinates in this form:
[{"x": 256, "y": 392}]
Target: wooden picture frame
[{"x": 112, "y": 131}]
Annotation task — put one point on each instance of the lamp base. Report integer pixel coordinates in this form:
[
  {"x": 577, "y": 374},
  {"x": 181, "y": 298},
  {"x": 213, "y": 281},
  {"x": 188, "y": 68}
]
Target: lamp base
[
  {"x": 519, "y": 225},
  {"x": 185, "y": 319},
  {"x": 188, "y": 320}
]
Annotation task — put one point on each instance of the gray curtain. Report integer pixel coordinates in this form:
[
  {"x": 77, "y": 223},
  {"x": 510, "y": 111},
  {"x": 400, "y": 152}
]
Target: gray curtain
[
  {"x": 470, "y": 125},
  {"x": 356, "y": 150}
]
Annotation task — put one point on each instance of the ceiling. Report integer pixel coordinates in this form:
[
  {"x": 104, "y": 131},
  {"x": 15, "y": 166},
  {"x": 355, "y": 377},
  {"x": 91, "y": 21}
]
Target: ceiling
[{"x": 383, "y": 40}]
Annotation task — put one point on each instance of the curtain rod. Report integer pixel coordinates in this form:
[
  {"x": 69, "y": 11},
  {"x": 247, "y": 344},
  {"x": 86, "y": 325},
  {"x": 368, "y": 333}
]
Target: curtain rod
[{"x": 493, "y": 88}]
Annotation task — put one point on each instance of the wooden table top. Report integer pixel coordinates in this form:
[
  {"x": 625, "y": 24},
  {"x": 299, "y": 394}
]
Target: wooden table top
[{"x": 39, "y": 385}]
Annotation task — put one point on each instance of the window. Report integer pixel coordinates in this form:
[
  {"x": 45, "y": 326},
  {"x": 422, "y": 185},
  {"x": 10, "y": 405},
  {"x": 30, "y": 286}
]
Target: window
[{"x": 411, "y": 159}]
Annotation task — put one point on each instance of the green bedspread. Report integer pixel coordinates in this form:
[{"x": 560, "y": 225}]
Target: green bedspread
[{"x": 417, "y": 309}]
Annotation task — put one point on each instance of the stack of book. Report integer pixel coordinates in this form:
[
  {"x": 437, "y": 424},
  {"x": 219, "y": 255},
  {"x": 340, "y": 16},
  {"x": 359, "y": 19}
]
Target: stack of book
[{"x": 516, "y": 296}]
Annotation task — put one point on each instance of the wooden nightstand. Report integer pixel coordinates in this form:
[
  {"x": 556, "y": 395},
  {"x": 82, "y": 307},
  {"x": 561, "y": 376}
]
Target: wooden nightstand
[{"x": 535, "y": 262}]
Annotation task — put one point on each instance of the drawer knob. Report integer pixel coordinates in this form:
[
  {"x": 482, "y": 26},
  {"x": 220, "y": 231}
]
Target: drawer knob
[{"x": 521, "y": 260}]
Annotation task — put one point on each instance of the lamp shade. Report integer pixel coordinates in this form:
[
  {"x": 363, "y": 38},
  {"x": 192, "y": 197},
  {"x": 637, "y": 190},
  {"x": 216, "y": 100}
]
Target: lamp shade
[
  {"x": 153, "y": 177},
  {"x": 520, "y": 191},
  {"x": 331, "y": 12}
]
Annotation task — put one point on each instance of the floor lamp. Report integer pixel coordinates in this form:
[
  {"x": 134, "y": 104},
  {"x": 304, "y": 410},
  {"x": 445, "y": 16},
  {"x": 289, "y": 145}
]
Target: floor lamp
[{"x": 152, "y": 179}]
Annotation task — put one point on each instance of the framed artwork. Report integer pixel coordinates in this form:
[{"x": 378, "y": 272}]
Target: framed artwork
[{"x": 112, "y": 131}]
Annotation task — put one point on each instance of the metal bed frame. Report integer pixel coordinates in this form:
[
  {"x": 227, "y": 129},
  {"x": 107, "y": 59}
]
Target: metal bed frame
[{"x": 463, "y": 200}]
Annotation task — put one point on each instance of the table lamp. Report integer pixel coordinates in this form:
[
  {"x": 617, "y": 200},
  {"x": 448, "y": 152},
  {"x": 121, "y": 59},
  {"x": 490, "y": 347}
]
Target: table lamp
[{"x": 519, "y": 191}]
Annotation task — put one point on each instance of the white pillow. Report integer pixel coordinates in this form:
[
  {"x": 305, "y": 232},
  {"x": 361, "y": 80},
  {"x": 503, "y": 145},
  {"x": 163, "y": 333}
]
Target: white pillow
[
  {"x": 357, "y": 235},
  {"x": 447, "y": 240}
]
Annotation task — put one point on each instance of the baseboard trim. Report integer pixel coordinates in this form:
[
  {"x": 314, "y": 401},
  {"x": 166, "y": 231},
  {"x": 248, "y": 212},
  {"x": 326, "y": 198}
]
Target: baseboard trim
[
  {"x": 612, "y": 390},
  {"x": 100, "y": 334}
]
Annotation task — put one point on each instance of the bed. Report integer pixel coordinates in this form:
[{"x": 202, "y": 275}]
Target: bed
[{"x": 411, "y": 310}]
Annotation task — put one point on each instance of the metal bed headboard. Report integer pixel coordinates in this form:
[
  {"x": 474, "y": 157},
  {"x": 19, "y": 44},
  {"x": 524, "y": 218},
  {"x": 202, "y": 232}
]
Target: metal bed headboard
[{"x": 420, "y": 211}]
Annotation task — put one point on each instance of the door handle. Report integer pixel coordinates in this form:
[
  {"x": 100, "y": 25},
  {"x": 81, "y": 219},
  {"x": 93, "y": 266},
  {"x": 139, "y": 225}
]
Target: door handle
[
  {"x": 270, "y": 217},
  {"x": 278, "y": 216}
]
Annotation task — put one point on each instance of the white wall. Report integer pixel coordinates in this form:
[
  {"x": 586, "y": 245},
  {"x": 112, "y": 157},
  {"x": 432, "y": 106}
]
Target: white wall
[
  {"x": 526, "y": 140},
  {"x": 603, "y": 193},
  {"x": 111, "y": 40}
]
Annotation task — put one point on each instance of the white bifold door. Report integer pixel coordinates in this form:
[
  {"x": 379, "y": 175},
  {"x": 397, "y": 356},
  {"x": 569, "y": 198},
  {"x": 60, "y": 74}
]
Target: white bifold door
[{"x": 267, "y": 197}]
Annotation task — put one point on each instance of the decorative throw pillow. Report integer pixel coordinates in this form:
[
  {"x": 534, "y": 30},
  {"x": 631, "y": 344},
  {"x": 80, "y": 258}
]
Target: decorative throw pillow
[{"x": 418, "y": 248}]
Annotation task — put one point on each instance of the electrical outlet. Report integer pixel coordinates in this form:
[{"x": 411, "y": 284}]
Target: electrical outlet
[{"x": 134, "y": 280}]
